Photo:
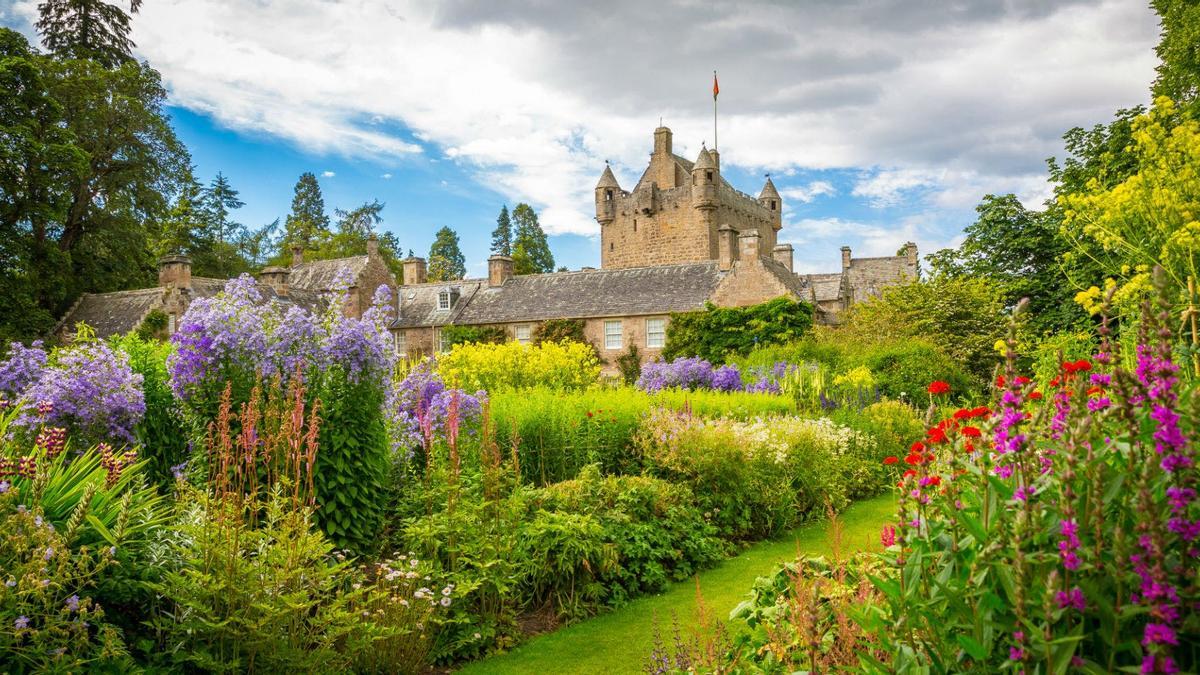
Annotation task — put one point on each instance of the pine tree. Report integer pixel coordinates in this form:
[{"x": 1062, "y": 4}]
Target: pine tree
[
  {"x": 219, "y": 200},
  {"x": 531, "y": 252},
  {"x": 502, "y": 235},
  {"x": 307, "y": 225},
  {"x": 446, "y": 262},
  {"x": 184, "y": 224},
  {"x": 87, "y": 29}
]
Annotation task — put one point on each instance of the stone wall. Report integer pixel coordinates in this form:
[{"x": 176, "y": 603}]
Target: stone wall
[
  {"x": 374, "y": 275},
  {"x": 748, "y": 283}
]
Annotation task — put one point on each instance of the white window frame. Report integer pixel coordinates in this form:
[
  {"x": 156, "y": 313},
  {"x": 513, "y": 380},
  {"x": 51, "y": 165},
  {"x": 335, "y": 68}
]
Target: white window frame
[
  {"x": 442, "y": 347},
  {"x": 401, "y": 343},
  {"x": 171, "y": 325},
  {"x": 613, "y": 340},
  {"x": 525, "y": 328},
  {"x": 443, "y": 300},
  {"x": 661, "y": 333}
]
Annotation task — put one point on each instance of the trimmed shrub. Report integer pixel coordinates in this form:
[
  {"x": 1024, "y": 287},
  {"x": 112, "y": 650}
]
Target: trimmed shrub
[{"x": 719, "y": 333}]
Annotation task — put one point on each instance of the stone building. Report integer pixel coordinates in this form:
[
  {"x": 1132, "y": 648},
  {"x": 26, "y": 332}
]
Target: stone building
[
  {"x": 304, "y": 284},
  {"x": 683, "y": 238}
]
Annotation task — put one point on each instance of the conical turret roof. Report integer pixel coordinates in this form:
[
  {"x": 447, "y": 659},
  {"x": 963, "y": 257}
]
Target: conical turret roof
[
  {"x": 769, "y": 191},
  {"x": 607, "y": 179},
  {"x": 704, "y": 160}
]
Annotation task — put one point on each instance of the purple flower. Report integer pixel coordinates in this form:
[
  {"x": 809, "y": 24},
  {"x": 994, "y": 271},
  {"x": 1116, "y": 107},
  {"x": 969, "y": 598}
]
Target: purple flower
[
  {"x": 21, "y": 623},
  {"x": 1159, "y": 633},
  {"x": 72, "y": 603},
  {"x": 1073, "y": 599},
  {"x": 22, "y": 368}
]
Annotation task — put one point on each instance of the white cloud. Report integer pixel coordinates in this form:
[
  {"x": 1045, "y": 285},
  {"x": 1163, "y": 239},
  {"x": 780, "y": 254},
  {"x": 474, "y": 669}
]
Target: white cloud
[
  {"x": 328, "y": 174},
  {"x": 806, "y": 193},
  {"x": 386, "y": 176},
  {"x": 529, "y": 98}
]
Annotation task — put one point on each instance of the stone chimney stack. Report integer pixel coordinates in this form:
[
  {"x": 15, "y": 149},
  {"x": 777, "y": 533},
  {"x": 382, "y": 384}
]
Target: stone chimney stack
[
  {"x": 414, "y": 270},
  {"x": 845, "y": 257},
  {"x": 726, "y": 246},
  {"x": 500, "y": 270},
  {"x": 276, "y": 278},
  {"x": 662, "y": 141},
  {"x": 749, "y": 246},
  {"x": 910, "y": 252},
  {"x": 175, "y": 271},
  {"x": 297, "y": 255},
  {"x": 783, "y": 255},
  {"x": 372, "y": 246}
]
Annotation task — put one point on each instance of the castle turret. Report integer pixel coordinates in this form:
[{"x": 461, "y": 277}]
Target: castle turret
[
  {"x": 770, "y": 199},
  {"x": 606, "y": 196},
  {"x": 704, "y": 181}
]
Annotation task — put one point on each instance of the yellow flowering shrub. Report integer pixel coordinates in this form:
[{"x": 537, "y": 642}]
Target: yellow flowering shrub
[{"x": 512, "y": 365}]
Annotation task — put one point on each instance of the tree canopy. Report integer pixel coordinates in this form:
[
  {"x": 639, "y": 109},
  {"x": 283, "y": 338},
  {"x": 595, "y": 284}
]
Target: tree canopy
[
  {"x": 446, "y": 261},
  {"x": 531, "y": 251}
]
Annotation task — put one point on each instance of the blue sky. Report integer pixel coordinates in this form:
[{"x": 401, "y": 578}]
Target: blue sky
[{"x": 880, "y": 121}]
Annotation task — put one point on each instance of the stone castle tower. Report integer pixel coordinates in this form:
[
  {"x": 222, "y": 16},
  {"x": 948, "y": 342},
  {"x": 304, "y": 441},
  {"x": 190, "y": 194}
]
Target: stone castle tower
[{"x": 681, "y": 212}]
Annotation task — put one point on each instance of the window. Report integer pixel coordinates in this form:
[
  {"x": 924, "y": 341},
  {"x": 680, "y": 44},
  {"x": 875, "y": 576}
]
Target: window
[
  {"x": 772, "y": 204},
  {"x": 401, "y": 343},
  {"x": 708, "y": 175},
  {"x": 443, "y": 342},
  {"x": 656, "y": 333},
  {"x": 523, "y": 333},
  {"x": 444, "y": 300},
  {"x": 608, "y": 195},
  {"x": 610, "y": 246},
  {"x": 635, "y": 224},
  {"x": 170, "y": 324},
  {"x": 612, "y": 334}
]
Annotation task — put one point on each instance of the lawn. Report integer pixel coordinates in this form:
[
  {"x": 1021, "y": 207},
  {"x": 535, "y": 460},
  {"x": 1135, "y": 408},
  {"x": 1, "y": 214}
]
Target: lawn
[{"x": 620, "y": 641}]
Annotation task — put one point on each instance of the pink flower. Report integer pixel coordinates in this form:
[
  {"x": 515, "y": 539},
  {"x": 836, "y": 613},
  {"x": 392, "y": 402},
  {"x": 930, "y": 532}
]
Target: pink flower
[{"x": 887, "y": 535}]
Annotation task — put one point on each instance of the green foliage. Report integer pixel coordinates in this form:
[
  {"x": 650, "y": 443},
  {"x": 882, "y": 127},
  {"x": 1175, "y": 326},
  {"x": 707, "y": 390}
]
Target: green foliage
[
  {"x": 502, "y": 236},
  {"x": 559, "y": 330},
  {"x": 630, "y": 365},
  {"x": 531, "y": 252},
  {"x": 355, "y": 232},
  {"x": 48, "y": 620},
  {"x": 1179, "y": 59},
  {"x": 903, "y": 370},
  {"x": 556, "y": 434},
  {"x": 961, "y": 316},
  {"x": 87, "y": 29},
  {"x": 307, "y": 226},
  {"x": 1019, "y": 253},
  {"x": 153, "y": 326},
  {"x": 352, "y": 463},
  {"x": 462, "y": 335},
  {"x": 163, "y": 441},
  {"x": 446, "y": 262},
  {"x": 719, "y": 333},
  {"x": 512, "y": 365}
]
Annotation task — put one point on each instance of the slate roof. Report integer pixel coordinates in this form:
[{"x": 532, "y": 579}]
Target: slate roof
[
  {"x": 824, "y": 287},
  {"x": 319, "y": 275},
  {"x": 419, "y": 303},
  {"x": 793, "y": 283},
  {"x": 111, "y": 313}
]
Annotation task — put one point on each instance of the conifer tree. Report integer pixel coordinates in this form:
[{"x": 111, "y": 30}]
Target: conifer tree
[
  {"x": 502, "y": 235},
  {"x": 307, "y": 225},
  {"x": 446, "y": 262},
  {"x": 219, "y": 200},
  {"x": 531, "y": 252},
  {"x": 87, "y": 29}
]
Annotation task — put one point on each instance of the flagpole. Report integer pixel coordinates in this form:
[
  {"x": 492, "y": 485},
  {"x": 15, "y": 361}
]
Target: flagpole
[{"x": 715, "y": 110}]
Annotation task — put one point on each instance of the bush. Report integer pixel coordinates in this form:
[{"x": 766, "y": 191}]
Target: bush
[
  {"x": 903, "y": 370},
  {"x": 462, "y": 335},
  {"x": 718, "y": 333},
  {"x": 559, "y": 330},
  {"x": 163, "y": 444},
  {"x": 510, "y": 366}
]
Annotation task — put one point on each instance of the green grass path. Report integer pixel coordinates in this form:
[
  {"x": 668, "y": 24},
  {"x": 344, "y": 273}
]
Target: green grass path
[{"x": 620, "y": 641}]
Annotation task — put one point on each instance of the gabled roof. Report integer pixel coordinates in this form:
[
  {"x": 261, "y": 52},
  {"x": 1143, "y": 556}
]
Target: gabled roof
[
  {"x": 824, "y": 287},
  {"x": 111, "y": 313},
  {"x": 319, "y": 275},
  {"x": 419, "y": 303}
]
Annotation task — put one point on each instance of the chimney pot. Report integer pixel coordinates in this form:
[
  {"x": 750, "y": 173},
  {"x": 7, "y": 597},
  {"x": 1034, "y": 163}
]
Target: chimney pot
[
  {"x": 414, "y": 270},
  {"x": 175, "y": 272},
  {"x": 276, "y": 278},
  {"x": 372, "y": 245},
  {"x": 845, "y": 257},
  {"x": 749, "y": 245}
]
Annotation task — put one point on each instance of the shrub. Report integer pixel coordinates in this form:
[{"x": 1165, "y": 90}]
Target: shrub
[
  {"x": 630, "y": 365},
  {"x": 559, "y": 330},
  {"x": 903, "y": 369},
  {"x": 718, "y": 333},
  {"x": 494, "y": 368},
  {"x": 461, "y": 335},
  {"x": 163, "y": 445}
]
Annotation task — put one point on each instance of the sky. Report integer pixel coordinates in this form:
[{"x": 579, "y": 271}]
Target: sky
[{"x": 880, "y": 121}]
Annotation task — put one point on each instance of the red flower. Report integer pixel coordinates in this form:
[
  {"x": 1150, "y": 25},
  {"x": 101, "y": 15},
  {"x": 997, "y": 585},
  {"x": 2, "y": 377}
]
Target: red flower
[
  {"x": 917, "y": 447},
  {"x": 1055, "y": 382},
  {"x": 935, "y": 480},
  {"x": 962, "y": 414},
  {"x": 936, "y": 435},
  {"x": 938, "y": 387},
  {"x": 973, "y": 432},
  {"x": 910, "y": 473},
  {"x": 1095, "y": 390},
  {"x": 912, "y": 460},
  {"x": 970, "y": 446},
  {"x": 891, "y": 460},
  {"x": 1022, "y": 380},
  {"x": 981, "y": 411},
  {"x": 1000, "y": 381},
  {"x": 589, "y": 413},
  {"x": 1083, "y": 365},
  {"x": 1035, "y": 396}
]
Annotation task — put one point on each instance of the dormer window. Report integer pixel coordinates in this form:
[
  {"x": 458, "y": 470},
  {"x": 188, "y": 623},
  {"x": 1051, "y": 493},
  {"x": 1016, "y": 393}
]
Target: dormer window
[{"x": 444, "y": 300}]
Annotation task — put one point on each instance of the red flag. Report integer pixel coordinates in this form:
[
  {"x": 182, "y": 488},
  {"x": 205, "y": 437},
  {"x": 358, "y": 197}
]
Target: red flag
[{"x": 716, "y": 89}]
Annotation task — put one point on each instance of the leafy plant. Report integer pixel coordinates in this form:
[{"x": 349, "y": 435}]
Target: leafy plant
[
  {"x": 718, "y": 333},
  {"x": 494, "y": 368},
  {"x": 461, "y": 335}
]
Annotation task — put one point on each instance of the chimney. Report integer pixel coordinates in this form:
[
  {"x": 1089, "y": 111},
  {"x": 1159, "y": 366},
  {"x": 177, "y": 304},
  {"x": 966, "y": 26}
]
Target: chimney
[
  {"x": 276, "y": 278},
  {"x": 910, "y": 252},
  {"x": 748, "y": 246},
  {"x": 845, "y": 257},
  {"x": 414, "y": 270},
  {"x": 175, "y": 271},
  {"x": 726, "y": 246},
  {"x": 716, "y": 158},
  {"x": 662, "y": 141},
  {"x": 372, "y": 246},
  {"x": 783, "y": 255},
  {"x": 500, "y": 270},
  {"x": 297, "y": 255}
]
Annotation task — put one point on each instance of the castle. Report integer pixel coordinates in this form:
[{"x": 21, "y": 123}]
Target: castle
[{"x": 683, "y": 238}]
